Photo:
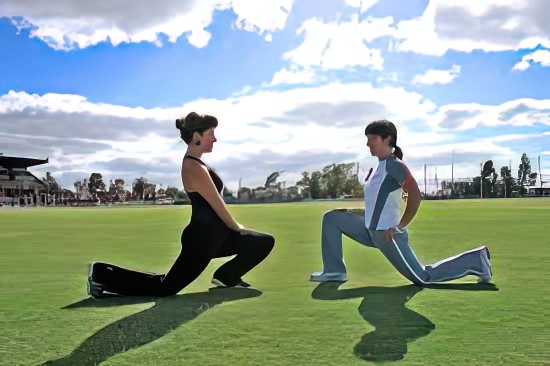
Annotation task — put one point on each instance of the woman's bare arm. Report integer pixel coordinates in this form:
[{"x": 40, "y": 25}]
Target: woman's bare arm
[{"x": 414, "y": 198}]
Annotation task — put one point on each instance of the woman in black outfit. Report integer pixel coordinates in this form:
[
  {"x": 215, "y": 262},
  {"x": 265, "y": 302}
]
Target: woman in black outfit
[{"x": 211, "y": 232}]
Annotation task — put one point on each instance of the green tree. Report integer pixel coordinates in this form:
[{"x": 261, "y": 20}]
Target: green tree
[
  {"x": 524, "y": 173},
  {"x": 138, "y": 187},
  {"x": 304, "y": 184},
  {"x": 51, "y": 183},
  {"x": 95, "y": 184},
  {"x": 149, "y": 190},
  {"x": 315, "y": 187},
  {"x": 182, "y": 196},
  {"x": 489, "y": 179},
  {"x": 244, "y": 194},
  {"x": 119, "y": 186},
  {"x": 509, "y": 182},
  {"x": 476, "y": 186},
  {"x": 171, "y": 192},
  {"x": 81, "y": 188},
  {"x": 334, "y": 176},
  {"x": 227, "y": 194},
  {"x": 351, "y": 185}
]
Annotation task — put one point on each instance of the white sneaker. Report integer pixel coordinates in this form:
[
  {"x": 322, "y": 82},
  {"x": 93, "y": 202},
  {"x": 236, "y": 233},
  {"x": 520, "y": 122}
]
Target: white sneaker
[
  {"x": 328, "y": 276},
  {"x": 487, "y": 276}
]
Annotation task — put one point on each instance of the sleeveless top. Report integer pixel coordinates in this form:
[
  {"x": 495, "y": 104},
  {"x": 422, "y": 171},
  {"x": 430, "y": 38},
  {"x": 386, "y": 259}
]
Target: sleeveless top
[{"x": 200, "y": 208}]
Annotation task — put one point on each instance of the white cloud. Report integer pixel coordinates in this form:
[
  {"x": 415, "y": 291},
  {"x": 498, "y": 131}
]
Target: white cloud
[
  {"x": 243, "y": 91},
  {"x": 437, "y": 76},
  {"x": 262, "y": 16},
  {"x": 296, "y": 130},
  {"x": 340, "y": 45},
  {"x": 66, "y": 24},
  {"x": 68, "y": 103},
  {"x": 362, "y": 5},
  {"x": 291, "y": 122},
  {"x": 295, "y": 75},
  {"x": 488, "y": 25},
  {"x": 519, "y": 112},
  {"x": 540, "y": 56}
]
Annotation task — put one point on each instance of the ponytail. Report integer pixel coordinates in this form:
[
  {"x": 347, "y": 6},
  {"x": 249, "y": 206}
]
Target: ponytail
[{"x": 397, "y": 152}]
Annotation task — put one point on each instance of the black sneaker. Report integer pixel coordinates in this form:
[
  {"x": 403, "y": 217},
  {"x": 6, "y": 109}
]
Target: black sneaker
[
  {"x": 95, "y": 290},
  {"x": 219, "y": 283}
]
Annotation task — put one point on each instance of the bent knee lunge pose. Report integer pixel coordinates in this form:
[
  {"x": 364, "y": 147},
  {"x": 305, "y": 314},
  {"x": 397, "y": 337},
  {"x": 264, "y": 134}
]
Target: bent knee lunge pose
[
  {"x": 211, "y": 232},
  {"x": 383, "y": 223}
]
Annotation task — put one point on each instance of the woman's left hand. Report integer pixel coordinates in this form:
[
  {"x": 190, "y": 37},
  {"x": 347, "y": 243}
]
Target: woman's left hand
[{"x": 388, "y": 234}]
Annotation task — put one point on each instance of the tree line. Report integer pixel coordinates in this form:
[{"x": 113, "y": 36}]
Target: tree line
[
  {"x": 332, "y": 181},
  {"x": 487, "y": 185}
]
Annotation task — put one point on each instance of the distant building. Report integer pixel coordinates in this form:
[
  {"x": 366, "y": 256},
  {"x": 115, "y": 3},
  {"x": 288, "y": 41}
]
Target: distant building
[
  {"x": 16, "y": 180},
  {"x": 541, "y": 190}
]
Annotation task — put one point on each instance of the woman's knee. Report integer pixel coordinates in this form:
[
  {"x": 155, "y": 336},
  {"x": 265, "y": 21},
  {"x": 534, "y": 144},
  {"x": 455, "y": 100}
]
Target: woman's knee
[
  {"x": 259, "y": 242},
  {"x": 332, "y": 216},
  {"x": 335, "y": 213},
  {"x": 269, "y": 242},
  {"x": 266, "y": 242}
]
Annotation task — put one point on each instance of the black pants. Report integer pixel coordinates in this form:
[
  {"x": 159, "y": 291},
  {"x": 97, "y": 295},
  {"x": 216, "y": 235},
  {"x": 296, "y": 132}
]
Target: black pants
[{"x": 200, "y": 244}]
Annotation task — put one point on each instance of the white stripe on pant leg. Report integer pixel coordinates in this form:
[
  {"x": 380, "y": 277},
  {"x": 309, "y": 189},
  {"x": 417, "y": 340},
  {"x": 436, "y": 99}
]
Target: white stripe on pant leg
[
  {"x": 427, "y": 282},
  {"x": 456, "y": 256},
  {"x": 407, "y": 264}
]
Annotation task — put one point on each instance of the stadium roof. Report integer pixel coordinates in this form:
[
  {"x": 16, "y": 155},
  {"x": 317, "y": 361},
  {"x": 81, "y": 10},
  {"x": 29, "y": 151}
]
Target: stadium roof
[{"x": 13, "y": 162}]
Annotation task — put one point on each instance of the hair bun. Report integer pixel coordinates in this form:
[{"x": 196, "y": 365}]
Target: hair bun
[
  {"x": 192, "y": 119},
  {"x": 193, "y": 122}
]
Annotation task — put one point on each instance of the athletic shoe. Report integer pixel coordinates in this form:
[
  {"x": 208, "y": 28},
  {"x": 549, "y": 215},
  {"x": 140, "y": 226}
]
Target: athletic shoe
[
  {"x": 219, "y": 283},
  {"x": 95, "y": 290},
  {"x": 328, "y": 277},
  {"x": 487, "y": 275}
]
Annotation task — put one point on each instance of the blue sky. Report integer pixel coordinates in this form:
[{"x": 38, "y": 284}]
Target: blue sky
[{"x": 453, "y": 76}]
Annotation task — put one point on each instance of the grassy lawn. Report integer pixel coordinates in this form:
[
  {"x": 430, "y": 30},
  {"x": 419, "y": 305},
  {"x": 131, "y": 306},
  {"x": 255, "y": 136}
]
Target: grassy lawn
[{"x": 45, "y": 313}]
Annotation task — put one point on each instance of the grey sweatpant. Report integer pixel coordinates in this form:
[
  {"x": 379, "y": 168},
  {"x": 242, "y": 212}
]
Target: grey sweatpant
[{"x": 397, "y": 251}]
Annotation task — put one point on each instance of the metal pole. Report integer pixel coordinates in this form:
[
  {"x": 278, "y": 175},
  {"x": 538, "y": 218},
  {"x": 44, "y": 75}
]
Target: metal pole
[
  {"x": 436, "y": 182},
  {"x": 540, "y": 176},
  {"x": 481, "y": 179},
  {"x": 452, "y": 171},
  {"x": 425, "y": 183}
]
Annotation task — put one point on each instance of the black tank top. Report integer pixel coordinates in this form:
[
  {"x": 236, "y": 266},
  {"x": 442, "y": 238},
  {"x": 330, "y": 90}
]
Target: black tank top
[{"x": 200, "y": 208}]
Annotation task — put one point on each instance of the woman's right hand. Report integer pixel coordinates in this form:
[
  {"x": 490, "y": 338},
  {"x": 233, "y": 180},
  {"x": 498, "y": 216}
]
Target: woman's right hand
[{"x": 239, "y": 228}]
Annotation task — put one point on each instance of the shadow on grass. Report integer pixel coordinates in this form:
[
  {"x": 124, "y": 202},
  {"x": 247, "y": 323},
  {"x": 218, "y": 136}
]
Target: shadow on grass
[
  {"x": 147, "y": 326},
  {"x": 384, "y": 308}
]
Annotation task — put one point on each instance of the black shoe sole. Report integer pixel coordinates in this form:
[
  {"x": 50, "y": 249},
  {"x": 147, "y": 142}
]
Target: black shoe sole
[{"x": 94, "y": 289}]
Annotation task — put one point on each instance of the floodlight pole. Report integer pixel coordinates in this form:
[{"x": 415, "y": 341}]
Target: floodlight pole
[
  {"x": 481, "y": 179},
  {"x": 540, "y": 176},
  {"x": 452, "y": 171},
  {"x": 425, "y": 183}
]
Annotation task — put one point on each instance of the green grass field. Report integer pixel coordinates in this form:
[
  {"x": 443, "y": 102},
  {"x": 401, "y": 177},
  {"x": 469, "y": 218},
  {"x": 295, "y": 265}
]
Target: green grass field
[{"x": 46, "y": 315}]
